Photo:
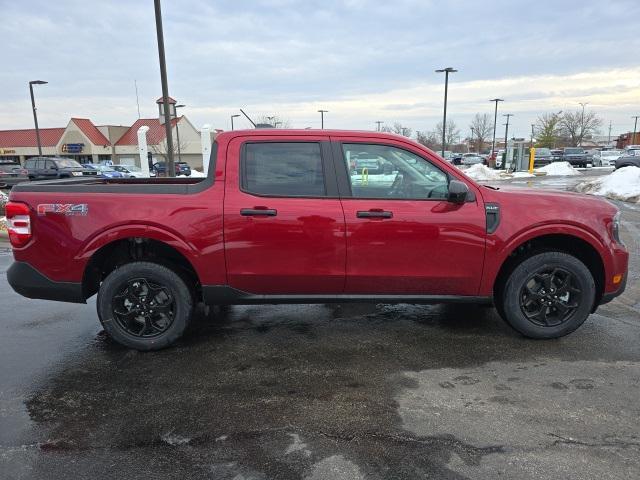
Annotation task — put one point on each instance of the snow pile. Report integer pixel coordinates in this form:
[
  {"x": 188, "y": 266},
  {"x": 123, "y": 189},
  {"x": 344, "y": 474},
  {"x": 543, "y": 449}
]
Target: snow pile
[
  {"x": 481, "y": 172},
  {"x": 197, "y": 174},
  {"x": 559, "y": 169},
  {"x": 623, "y": 184}
]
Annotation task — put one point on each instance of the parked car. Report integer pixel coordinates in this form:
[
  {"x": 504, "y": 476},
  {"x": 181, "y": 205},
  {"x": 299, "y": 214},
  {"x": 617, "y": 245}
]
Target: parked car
[
  {"x": 542, "y": 157},
  {"x": 182, "y": 168},
  {"x": 630, "y": 158},
  {"x": 575, "y": 156},
  {"x": 371, "y": 163},
  {"x": 472, "y": 159},
  {"x": 48, "y": 168},
  {"x": 105, "y": 171},
  {"x": 556, "y": 155},
  {"x": 278, "y": 220},
  {"x": 607, "y": 158},
  {"x": 11, "y": 174},
  {"x": 131, "y": 171}
]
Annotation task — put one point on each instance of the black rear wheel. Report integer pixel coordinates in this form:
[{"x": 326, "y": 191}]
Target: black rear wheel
[
  {"x": 144, "y": 305},
  {"x": 548, "y": 295}
]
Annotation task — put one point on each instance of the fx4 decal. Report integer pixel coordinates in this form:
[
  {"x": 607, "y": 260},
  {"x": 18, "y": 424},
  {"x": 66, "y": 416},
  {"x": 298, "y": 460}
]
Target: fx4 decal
[{"x": 63, "y": 208}]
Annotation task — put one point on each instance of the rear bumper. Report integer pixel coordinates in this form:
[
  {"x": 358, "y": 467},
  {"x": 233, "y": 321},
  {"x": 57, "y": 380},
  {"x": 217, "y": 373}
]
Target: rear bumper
[{"x": 30, "y": 283}]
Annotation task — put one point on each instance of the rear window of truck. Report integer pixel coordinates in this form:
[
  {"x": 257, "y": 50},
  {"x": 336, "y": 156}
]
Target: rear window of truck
[{"x": 283, "y": 169}]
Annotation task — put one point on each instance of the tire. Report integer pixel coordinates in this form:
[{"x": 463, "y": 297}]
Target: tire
[
  {"x": 554, "y": 277},
  {"x": 154, "y": 287}
]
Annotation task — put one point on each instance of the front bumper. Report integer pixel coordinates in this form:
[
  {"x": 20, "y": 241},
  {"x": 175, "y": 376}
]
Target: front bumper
[
  {"x": 30, "y": 283},
  {"x": 607, "y": 297}
]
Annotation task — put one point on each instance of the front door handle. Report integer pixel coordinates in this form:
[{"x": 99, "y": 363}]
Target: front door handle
[
  {"x": 374, "y": 214},
  {"x": 255, "y": 212}
]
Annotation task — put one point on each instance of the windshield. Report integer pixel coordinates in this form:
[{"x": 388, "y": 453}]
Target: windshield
[
  {"x": 130, "y": 168},
  {"x": 573, "y": 151},
  {"x": 543, "y": 151},
  {"x": 67, "y": 163}
]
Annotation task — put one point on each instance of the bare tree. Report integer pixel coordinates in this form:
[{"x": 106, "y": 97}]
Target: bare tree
[
  {"x": 548, "y": 130},
  {"x": 276, "y": 120},
  {"x": 398, "y": 129},
  {"x": 451, "y": 134},
  {"x": 578, "y": 125},
  {"x": 428, "y": 139},
  {"x": 160, "y": 149},
  {"x": 482, "y": 128}
]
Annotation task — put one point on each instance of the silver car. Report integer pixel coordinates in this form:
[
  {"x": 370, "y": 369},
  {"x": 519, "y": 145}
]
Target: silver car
[{"x": 471, "y": 159}]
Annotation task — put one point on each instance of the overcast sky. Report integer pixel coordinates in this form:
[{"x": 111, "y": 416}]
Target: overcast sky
[{"x": 361, "y": 60}]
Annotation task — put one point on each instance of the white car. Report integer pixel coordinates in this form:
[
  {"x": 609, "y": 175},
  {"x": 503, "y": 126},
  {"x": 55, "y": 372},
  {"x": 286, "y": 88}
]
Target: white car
[
  {"x": 608, "y": 157},
  {"x": 131, "y": 171},
  {"x": 471, "y": 159}
]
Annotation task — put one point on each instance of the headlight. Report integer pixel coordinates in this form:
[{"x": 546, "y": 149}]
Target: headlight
[{"x": 615, "y": 228}]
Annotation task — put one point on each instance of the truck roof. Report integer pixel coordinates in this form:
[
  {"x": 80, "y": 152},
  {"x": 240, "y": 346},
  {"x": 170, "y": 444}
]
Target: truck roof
[{"x": 284, "y": 132}]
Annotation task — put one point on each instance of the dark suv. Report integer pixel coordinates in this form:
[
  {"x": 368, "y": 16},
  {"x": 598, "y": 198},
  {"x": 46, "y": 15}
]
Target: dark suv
[
  {"x": 630, "y": 158},
  {"x": 576, "y": 156},
  {"x": 182, "y": 168},
  {"x": 45, "y": 168}
]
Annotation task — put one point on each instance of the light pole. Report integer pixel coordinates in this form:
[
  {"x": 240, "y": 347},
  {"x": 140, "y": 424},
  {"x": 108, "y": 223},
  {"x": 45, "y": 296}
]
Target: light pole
[
  {"x": 379, "y": 122},
  {"x": 506, "y": 132},
  {"x": 322, "y": 112},
  {"x": 533, "y": 126},
  {"x": 471, "y": 142},
  {"x": 171, "y": 171},
  {"x": 232, "y": 117},
  {"x": 633, "y": 139},
  {"x": 35, "y": 115},
  {"x": 495, "y": 120},
  {"x": 446, "y": 71},
  {"x": 178, "y": 131}
]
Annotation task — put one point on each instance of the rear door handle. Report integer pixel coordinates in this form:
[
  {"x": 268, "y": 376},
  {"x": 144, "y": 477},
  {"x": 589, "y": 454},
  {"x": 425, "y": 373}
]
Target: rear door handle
[
  {"x": 255, "y": 212},
  {"x": 374, "y": 214}
]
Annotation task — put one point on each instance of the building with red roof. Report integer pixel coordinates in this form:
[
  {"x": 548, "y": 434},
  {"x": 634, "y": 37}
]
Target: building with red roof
[{"x": 82, "y": 140}]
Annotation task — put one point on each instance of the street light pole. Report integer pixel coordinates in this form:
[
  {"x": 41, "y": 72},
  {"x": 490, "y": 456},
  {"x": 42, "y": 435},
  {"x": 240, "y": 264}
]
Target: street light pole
[
  {"x": 584, "y": 104},
  {"x": 635, "y": 127},
  {"x": 178, "y": 131},
  {"x": 446, "y": 71},
  {"x": 232, "y": 117},
  {"x": 506, "y": 131},
  {"x": 495, "y": 120},
  {"x": 322, "y": 112},
  {"x": 171, "y": 171},
  {"x": 533, "y": 126},
  {"x": 35, "y": 115},
  {"x": 379, "y": 122}
]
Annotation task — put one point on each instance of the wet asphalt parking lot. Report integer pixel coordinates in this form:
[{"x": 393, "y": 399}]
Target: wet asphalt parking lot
[{"x": 323, "y": 391}]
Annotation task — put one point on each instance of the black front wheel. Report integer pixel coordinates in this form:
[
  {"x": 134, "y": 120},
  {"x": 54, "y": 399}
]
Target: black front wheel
[
  {"x": 144, "y": 305},
  {"x": 548, "y": 295}
]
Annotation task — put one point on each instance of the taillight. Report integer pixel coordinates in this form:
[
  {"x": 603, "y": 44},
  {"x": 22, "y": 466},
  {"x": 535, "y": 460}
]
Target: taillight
[{"x": 18, "y": 223}]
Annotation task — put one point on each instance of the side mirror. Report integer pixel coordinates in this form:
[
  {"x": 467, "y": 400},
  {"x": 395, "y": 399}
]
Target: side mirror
[
  {"x": 458, "y": 192},
  {"x": 53, "y": 167}
]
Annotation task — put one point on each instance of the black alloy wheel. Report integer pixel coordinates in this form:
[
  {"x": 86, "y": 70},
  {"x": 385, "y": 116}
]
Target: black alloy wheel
[
  {"x": 550, "y": 297},
  {"x": 143, "y": 308}
]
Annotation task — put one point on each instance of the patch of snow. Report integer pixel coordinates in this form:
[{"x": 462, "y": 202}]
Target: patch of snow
[
  {"x": 623, "y": 184},
  {"x": 175, "y": 440},
  {"x": 222, "y": 438},
  {"x": 559, "y": 169},
  {"x": 197, "y": 173},
  {"x": 522, "y": 175},
  {"x": 3, "y": 224},
  {"x": 481, "y": 172}
]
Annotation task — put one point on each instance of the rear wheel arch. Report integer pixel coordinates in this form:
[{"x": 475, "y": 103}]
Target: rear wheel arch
[
  {"x": 117, "y": 253},
  {"x": 565, "y": 243}
]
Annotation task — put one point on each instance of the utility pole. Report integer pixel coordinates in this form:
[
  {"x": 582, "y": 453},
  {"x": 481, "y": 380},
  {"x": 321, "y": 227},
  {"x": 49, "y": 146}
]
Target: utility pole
[
  {"x": 609, "y": 139},
  {"x": 471, "y": 142},
  {"x": 35, "y": 115},
  {"x": 446, "y": 71},
  {"x": 533, "y": 126},
  {"x": 171, "y": 170},
  {"x": 495, "y": 120},
  {"x": 635, "y": 127},
  {"x": 135, "y": 83},
  {"x": 322, "y": 112},
  {"x": 379, "y": 122}
]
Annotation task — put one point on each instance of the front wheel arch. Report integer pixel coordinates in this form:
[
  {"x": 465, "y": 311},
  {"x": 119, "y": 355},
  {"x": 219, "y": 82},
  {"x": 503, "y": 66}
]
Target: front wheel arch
[{"x": 569, "y": 244}]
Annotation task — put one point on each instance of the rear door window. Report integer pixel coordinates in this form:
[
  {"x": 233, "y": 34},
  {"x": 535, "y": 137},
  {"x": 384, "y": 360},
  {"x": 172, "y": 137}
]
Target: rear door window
[{"x": 283, "y": 169}]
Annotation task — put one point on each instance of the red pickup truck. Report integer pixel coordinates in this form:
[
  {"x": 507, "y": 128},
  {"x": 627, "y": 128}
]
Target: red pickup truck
[{"x": 285, "y": 217}]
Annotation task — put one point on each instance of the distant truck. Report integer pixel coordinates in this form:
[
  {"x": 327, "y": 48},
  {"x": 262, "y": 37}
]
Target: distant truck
[
  {"x": 282, "y": 218},
  {"x": 575, "y": 156}
]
